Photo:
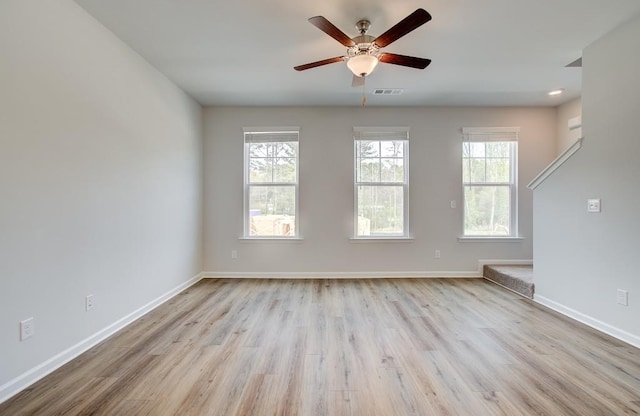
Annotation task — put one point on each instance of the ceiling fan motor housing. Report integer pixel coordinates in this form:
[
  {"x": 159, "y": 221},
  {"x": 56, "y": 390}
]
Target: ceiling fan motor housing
[{"x": 364, "y": 44}]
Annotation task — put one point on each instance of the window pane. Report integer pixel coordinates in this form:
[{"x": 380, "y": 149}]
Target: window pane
[
  {"x": 272, "y": 210},
  {"x": 284, "y": 170},
  {"x": 477, "y": 149},
  {"x": 265, "y": 167},
  {"x": 486, "y": 210},
  {"x": 392, "y": 148},
  {"x": 392, "y": 170},
  {"x": 368, "y": 170},
  {"x": 380, "y": 210},
  {"x": 465, "y": 170},
  {"x": 260, "y": 149},
  {"x": 270, "y": 191},
  {"x": 260, "y": 170},
  {"x": 498, "y": 149},
  {"x": 367, "y": 148},
  {"x": 286, "y": 149},
  {"x": 498, "y": 170},
  {"x": 466, "y": 149},
  {"x": 477, "y": 171}
]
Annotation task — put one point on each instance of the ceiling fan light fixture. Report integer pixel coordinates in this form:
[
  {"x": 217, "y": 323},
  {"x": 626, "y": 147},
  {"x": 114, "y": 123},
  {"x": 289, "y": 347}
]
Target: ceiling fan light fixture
[{"x": 363, "y": 64}]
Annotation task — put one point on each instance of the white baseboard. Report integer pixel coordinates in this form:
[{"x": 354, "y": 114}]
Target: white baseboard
[
  {"x": 340, "y": 275},
  {"x": 363, "y": 275},
  {"x": 24, "y": 380},
  {"x": 588, "y": 320}
]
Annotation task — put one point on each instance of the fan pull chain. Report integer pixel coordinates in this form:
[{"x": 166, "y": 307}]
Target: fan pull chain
[{"x": 364, "y": 96}]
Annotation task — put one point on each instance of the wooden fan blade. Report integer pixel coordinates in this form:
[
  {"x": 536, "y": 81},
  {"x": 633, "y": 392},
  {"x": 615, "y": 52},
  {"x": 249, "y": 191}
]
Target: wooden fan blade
[
  {"x": 320, "y": 63},
  {"x": 406, "y": 25},
  {"x": 410, "y": 61},
  {"x": 357, "y": 81},
  {"x": 328, "y": 28}
]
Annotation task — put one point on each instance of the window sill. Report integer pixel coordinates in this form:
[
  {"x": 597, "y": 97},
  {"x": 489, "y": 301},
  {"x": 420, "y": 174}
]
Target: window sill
[
  {"x": 490, "y": 239},
  {"x": 271, "y": 239},
  {"x": 380, "y": 239}
]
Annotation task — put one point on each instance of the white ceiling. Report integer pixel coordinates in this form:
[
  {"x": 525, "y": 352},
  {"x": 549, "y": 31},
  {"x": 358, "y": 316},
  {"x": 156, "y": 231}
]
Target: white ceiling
[{"x": 242, "y": 52}]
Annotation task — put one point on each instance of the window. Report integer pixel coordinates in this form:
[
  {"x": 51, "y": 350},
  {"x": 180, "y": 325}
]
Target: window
[
  {"x": 271, "y": 183},
  {"x": 489, "y": 179},
  {"x": 381, "y": 182}
]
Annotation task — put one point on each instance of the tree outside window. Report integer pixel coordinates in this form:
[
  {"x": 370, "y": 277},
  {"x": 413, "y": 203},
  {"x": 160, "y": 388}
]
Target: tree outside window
[
  {"x": 381, "y": 182},
  {"x": 489, "y": 182},
  {"x": 271, "y": 184}
]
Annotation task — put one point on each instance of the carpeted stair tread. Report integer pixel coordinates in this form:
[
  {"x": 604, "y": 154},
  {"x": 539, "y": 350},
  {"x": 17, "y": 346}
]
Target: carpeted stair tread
[{"x": 518, "y": 278}]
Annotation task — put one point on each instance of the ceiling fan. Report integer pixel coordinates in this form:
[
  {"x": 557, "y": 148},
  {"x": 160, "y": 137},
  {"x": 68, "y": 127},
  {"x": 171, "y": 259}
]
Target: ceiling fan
[{"x": 364, "y": 51}]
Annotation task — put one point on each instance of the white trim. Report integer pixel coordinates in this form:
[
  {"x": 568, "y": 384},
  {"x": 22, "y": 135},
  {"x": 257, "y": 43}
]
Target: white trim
[
  {"x": 366, "y": 275},
  {"x": 13, "y": 387},
  {"x": 271, "y": 129},
  {"x": 489, "y": 239},
  {"x": 589, "y": 321},
  {"x": 490, "y": 134},
  {"x": 381, "y": 239},
  {"x": 271, "y": 239},
  {"x": 373, "y": 132},
  {"x": 381, "y": 129},
  {"x": 553, "y": 166},
  {"x": 340, "y": 275},
  {"x": 471, "y": 130}
]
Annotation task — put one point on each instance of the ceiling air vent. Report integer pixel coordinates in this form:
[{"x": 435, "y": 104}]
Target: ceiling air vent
[{"x": 388, "y": 91}]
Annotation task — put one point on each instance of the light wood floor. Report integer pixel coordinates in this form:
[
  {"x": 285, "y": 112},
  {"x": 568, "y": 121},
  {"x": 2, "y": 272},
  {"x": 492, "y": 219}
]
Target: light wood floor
[{"x": 345, "y": 347}]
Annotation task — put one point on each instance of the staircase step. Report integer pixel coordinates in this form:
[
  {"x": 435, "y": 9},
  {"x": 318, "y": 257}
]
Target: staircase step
[{"x": 518, "y": 278}]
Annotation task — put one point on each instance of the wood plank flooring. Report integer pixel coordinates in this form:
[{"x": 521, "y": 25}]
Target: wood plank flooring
[{"x": 345, "y": 347}]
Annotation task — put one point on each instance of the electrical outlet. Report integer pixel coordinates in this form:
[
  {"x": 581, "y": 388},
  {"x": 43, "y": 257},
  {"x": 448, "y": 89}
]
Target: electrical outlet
[
  {"x": 27, "y": 329},
  {"x": 453, "y": 203},
  {"x": 234, "y": 254},
  {"x": 88, "y": 303},
  {"x": 437, "y": 254},
  {"x": 623, "y": 297}
]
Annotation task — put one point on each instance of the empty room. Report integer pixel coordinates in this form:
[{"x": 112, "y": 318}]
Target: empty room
[{"x": 319, "y": 208}]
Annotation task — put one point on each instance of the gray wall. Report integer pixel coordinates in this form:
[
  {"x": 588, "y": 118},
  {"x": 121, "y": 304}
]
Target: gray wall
[
  {"x": 582, "y": 258},
  {"x": 326, "y": 190},
  {"x": 100, "y": 181},
  {"x": 566, "y": 137}
]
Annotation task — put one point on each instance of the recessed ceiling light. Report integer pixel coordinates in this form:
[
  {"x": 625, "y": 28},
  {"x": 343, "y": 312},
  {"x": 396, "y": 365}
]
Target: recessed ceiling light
[{"x": 556, "y": 92}]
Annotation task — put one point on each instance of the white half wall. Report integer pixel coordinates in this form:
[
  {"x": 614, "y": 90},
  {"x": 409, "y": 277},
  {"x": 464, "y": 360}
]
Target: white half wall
[
  {"x": 326, "y": 191},
  {"x": 581, "y": 258},
  {"x": 100, "y": 183}
]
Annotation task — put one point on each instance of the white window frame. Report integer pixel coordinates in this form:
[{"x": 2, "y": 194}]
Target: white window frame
[
  {"x": 270, "y": 134},
  {"x": 495, "y": 134},
  {"x": 382, "y": 134}
]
